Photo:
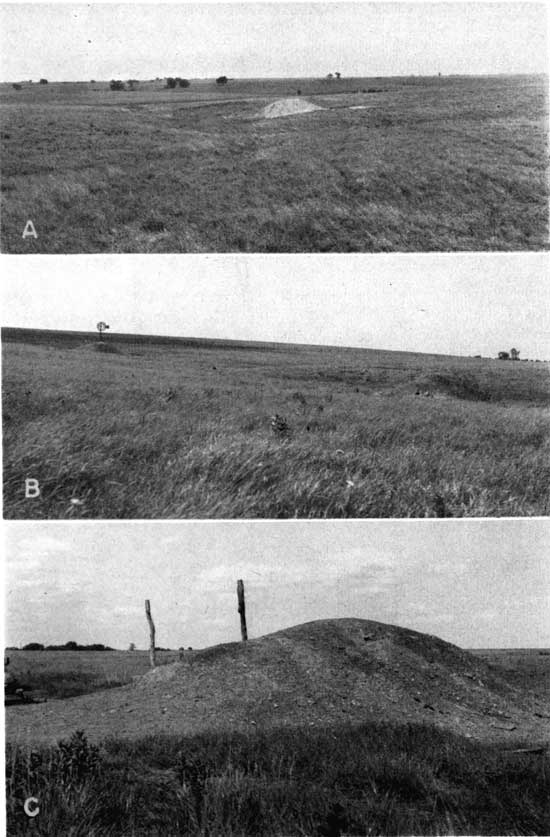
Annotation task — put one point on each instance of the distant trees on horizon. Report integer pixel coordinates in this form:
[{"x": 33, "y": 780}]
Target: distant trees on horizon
[{"x": 68, "y": 646}]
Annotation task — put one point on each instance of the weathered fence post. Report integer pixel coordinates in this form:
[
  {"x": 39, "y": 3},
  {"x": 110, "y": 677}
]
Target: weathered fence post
[
  {"x": 152, "y": 656},
  {"x": 241, "y": 609}
]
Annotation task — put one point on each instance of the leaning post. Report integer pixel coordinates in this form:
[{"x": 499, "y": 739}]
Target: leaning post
[
  {"x": 241, "y": 609},
  {"x": 152, "y": 656}
]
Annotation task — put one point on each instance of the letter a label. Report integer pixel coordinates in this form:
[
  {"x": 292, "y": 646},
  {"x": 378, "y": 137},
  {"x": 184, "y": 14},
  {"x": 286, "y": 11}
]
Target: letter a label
[
  {"x": 29, "y": 231},
  {"x": 32, "y": 489}
]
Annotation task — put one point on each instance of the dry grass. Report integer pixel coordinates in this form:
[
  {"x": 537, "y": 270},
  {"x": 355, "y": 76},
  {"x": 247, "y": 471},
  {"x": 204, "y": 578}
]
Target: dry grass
[
  {"x": 455, "y": 163},
  {"x": 97, "y": 427}
]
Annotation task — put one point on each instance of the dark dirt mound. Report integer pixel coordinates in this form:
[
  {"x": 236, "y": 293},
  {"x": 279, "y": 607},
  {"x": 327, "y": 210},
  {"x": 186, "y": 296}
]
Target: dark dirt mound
[
  {"x": 318, "y": 674},
  {"x": 455, "y": 384}
]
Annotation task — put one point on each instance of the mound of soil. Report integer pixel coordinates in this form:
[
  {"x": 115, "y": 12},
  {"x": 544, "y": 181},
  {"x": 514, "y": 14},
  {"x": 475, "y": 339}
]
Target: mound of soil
[
  {"x": 451, "y": 383},
  {"x": 314, "y": 675},
  {"x": 287, "y": 107}
]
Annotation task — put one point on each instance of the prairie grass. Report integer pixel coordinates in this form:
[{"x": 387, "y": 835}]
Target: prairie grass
[
  {"x": 96, "y": 427},
  {"x": 454, "y": 163},
  {"x": 65, "y": 674},
  {"x": 376, "y": 779}
]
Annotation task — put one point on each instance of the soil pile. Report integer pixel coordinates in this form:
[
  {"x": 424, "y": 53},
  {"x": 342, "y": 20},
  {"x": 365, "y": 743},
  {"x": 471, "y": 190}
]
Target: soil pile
[
  {"x": 287, "y": 107},
  {"x": 318, "y": 674}
]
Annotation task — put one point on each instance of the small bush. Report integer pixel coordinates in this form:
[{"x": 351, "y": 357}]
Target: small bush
[
  {"x": 184, "y": 82},
  {"x": 16, "y": 86},
  {"x": 222, "y": 80},
  {"x": 43, "y": 81},
  {"x": 116, "y": 84},
  {"x": 171, "y": 83},
  {"x": 107, "y": 348}
]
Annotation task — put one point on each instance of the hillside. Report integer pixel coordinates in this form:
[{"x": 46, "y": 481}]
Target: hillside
[
  {"x": 320, "y": 674},
  {"x": 157, "y": 428}
]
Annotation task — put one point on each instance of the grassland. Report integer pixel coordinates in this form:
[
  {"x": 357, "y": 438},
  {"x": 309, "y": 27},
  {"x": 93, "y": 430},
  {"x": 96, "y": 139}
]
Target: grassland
[
  {"x": 379, "y": 779},
  {"x": 421, "y": 164},
  {"x": 65, "y": 674},
  {"x": 182, "y": 430}
]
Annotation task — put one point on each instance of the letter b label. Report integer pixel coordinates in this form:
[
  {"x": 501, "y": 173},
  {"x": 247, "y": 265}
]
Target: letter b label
[{"x": 31, "y": 489}]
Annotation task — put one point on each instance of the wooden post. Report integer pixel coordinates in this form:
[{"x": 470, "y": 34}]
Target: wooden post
[
  {"x": 151, "y": 633},
  {"x": 241, "y": 609}
]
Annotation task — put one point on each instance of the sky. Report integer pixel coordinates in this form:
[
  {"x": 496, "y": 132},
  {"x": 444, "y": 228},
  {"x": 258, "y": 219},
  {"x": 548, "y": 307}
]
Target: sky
[
  {"x": 476, "y": 583},
  {"x": 69, "y": 42},
  {"x": 447, "y": 303}
]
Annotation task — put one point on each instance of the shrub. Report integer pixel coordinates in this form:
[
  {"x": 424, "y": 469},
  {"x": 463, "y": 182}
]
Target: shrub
[
  {"x": 16, "y": 86},
  {"x": 116, "y": 84},
  {"x": 170, "y": 83},
  {"x": 222, "y": 80},
  {"x": 43, "y": 81},
  {"x": 33, "y": 646},
  {"x": 184, "y": 82}
]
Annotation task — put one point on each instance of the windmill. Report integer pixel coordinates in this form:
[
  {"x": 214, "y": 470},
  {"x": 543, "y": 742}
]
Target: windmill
[{"x": 101, "y": 327}]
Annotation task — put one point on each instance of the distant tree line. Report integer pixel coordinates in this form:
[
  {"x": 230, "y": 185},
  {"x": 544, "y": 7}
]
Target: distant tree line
[
  {"x": 177, "y": 82},
  {"x": 69, "y": 646}
]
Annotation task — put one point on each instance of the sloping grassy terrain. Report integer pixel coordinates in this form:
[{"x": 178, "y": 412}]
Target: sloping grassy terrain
[
  {"x": 169, "y": 430},
  {"x": 379, "y": 779},
  {"x": 454, "y": 163}
]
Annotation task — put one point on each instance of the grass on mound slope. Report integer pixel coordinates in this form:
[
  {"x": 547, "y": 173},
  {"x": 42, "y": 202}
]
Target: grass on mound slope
[
  {"x": 98, "y": 428},
  {"x": 381, "y": 779}
]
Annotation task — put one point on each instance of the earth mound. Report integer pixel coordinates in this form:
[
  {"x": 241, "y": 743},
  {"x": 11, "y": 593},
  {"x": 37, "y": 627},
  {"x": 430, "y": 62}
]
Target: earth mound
[
  {"x": 324, "y": 673},
  {"x": 455, "y": 384},
  {"x": 287, "y": 107}
]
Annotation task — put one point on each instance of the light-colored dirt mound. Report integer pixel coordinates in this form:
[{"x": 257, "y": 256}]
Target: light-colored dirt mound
[
  {"x": 287, "y": 107},
  {"x": 313, "y": 675}
]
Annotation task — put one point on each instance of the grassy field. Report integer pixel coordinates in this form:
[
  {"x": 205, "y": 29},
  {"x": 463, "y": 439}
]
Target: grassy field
[
  {"x": 379, "y": 779},
  {"x": 182, "y": 430},
  {"x": 65, "y": 674},
  {"x": 390, "y": 164}
]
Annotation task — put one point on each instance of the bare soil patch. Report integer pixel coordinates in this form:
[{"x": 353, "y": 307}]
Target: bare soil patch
[{"x": 288, "y": 107}]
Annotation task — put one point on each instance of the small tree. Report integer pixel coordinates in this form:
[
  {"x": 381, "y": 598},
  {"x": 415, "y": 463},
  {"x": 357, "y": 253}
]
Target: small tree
[
  {"x": 16, "y": 86},
  {"x": 132, "y": 84},
  {"x": 330, "y": 76},
  {"x": 43, "y": 81},
  {"x": 116, "y": 84},
  {"x": 184, "y": 82},
  {"x": 171, "y": 83},
  {"x": 101, "y": 327},
  {"x": 337, "y": 75},
  {"x": 514, "y": 354},
  {"x": 222, "y": 80},
  {"x": 132, "y": 646}
]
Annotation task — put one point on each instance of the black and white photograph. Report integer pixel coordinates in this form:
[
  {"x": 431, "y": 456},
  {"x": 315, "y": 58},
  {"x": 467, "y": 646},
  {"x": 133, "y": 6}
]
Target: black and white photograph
[
  {"x": 301, "y": 387},
  {"x": 274, "y": 127},
  {"x": 275, "y": 378},
  {"x": 320, "y": 679}
]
